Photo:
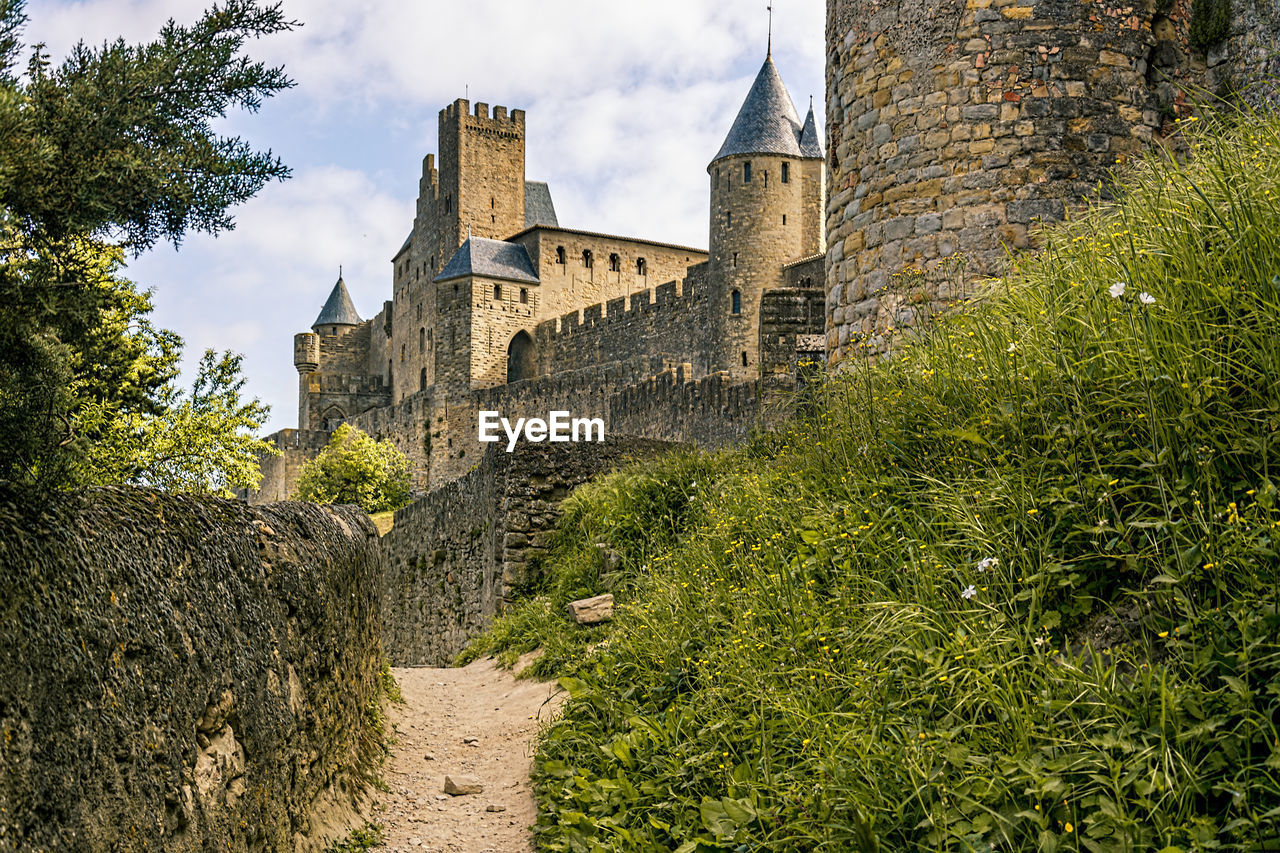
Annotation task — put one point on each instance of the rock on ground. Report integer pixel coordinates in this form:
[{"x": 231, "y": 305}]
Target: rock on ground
[{"x": 442, "y": 706}]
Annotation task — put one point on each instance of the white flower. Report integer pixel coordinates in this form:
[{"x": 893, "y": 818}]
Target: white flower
[
  {"x": 969, "y": 591},
  {"x": 1117, "y": 290},
  {"x": 1012, "y": 347},
  {"x": 987, "y": 563},
  {"x": 1039, "y": 641},
  {"x": 1146, "y": 298}
]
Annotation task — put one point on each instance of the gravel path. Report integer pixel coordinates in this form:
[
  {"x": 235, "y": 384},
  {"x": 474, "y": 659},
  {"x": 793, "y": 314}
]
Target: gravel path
[{"x": 444, "y": 710}]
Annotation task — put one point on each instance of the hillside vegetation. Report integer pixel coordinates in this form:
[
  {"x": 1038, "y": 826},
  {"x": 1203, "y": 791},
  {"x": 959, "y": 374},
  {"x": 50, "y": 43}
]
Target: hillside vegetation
[{"x": 1011, "y": 590}]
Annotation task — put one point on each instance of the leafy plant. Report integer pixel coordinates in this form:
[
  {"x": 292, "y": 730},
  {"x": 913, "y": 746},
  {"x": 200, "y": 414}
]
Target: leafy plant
[{"x": 355, "y": 469}]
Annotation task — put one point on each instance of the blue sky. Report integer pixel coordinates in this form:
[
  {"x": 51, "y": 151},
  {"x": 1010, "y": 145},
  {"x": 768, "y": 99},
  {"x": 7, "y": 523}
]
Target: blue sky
[{"x": 626, "y": 104}]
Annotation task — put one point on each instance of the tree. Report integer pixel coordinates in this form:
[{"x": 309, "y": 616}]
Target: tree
[
  {"x": 355, "y": 469},
  {"x": 108, "y": 153}
]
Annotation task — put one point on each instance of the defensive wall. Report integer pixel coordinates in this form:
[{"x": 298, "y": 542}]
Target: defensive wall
[
  {"x": 454, "y": 557},
  {"x": 956, "y": 127},
  {"x": 182, "y": 673}
]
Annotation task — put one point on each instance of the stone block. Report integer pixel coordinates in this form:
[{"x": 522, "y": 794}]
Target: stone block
[
  {"x": 462, "y": 784},
  {"x": 589, "y": 611}
]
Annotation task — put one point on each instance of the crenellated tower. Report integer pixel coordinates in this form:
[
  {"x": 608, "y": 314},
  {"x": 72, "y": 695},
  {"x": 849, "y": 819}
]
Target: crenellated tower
[{"x": 767, "y": 198}]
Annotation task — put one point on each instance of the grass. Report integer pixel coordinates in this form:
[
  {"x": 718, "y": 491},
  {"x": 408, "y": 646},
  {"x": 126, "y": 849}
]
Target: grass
[
  {"x": 1014, "y": 589},
  {"x": 384, "y": 521},
  {"x": 362, "y": 838}
]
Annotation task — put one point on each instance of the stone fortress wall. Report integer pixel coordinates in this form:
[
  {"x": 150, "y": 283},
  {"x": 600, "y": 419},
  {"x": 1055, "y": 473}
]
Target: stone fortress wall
[{"x": 955, "y": 127}]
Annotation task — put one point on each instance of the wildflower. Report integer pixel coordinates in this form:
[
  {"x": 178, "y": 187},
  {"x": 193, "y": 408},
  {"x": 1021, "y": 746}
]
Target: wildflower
[
  {"x": 969, "y": 592},
  {"x": 1039, "y": 641},
  {"x": 1146, "y": 298},
  {"x": 987, "y": 563},
  {"x": 1069, "y": 827},
  {"x": 1117, "y": 290},
  {"x": 1012, "y": 347}
]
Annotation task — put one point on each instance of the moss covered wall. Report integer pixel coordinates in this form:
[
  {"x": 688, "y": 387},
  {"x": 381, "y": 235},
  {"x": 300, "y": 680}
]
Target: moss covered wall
[{"x": 182, "y": 673}]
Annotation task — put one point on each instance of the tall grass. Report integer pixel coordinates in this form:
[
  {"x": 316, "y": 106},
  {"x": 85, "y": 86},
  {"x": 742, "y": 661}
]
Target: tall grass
[{"x": 1013, "y": 589}]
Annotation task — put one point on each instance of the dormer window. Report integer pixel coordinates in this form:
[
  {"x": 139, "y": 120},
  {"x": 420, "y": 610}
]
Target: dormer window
[{"x": 615, "y": 263}]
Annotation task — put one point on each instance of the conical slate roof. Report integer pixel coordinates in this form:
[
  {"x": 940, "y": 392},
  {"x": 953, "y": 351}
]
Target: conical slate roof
[
  {"x": 491, "y": 259},
  {"x": 767, "y": 122},
  {"x": 338, "y": 309},
  {"x": 810, "y": 144}
]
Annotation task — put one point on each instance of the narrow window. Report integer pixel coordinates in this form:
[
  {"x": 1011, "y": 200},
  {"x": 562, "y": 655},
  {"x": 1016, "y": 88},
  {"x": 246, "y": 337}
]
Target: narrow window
[
  {"x": 736, "y": 307},
  {"x": 388, "y": 373},
  {"x": 422, "y": 340},
  {"x": 588, "y": 259},
  {"x": 641, "y": 267},
  {"x": 735, "y": 260},
  {"x": 615, "y": 264},
  {"x": 786, "y": 173},
  {"x": 560, "y": 254},
  {"x": 784, "y": 219},
  {"x": 492, "y": 202},
  {"x": 744, "y": 358},
  {"x": 524, "y": 296},
  {"x": 765, "y": 177},
  {"x": 419, "y": 310},
  {"x": 448, "y": 202},
  {"x": 422, "y": 379},
  {"x": 497, "y": 292},
  {"x": 728, "y": 219},
  {"x": 402, "y": 353},
  {"x": 746, "y": 172}
]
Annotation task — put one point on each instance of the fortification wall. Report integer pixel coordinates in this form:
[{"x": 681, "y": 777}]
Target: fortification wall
[
  {"x": 671, "y": 322},
  {"x": 453, "y": 557},
  {"x": 182, "y": 674},
  {"x": 280, "y": 473},
  {"x": 342, "y": 385}
]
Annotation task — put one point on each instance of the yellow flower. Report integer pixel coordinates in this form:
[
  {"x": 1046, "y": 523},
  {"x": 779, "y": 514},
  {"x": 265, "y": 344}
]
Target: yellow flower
[{"x": 1069, "y": 827}]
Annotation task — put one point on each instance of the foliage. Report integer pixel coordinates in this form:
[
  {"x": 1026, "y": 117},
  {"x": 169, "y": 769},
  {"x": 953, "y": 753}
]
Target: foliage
[
  {"x": 1210, "y": 22},
  {"x": 1014, "y": 589},
  {"x": 112, "y": 148},
  {"x": 355, "y": 469},
  {"x": 361, "y": 838}
]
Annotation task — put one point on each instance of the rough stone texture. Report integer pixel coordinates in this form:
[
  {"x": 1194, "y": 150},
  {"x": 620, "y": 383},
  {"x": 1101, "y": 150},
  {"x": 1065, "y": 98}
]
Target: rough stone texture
[
  {"x": 462, "y": 784},
  {"x": 454, "y": 556},
  {"x": 589, "y": 611},
  {"x": 955, "y": 127},
  {"x": 182, "y": 673}
]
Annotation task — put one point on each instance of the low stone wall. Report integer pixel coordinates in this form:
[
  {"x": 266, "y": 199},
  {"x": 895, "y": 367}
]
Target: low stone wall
[
  {"x": 183, "y": 673},
  {"x": 453, "y": 557}
]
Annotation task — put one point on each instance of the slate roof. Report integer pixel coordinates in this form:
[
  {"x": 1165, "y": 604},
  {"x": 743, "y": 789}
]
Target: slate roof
[
  {"x": 491, "y": 259},
  {"x": 767, "y": 123},
  {"x": 338, "y": 309},
  {"x": 538, "y": 207},
  {"x": 810, "y": 142}
]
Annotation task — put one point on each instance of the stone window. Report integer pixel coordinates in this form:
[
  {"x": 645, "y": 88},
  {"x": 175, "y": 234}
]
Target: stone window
[
  {"x": 744, "y": 358},
  {"x": 786, "y": 173},
  {"x": 615, "y": 263},
  {"x": 497, "y": 292},
  {"x": 728, "y": 219},
  {"x": 746, "y": 172},
  {"x": 735, "y": 260},
  {"x": 784, "y": 219},
  {"x": 419, "y": 310},
  {"x": 641, "y": 267},
  {"x": 524, "y": 296},
  {"x": 402, "y": 353},
  {"x": 448, "y": 202},
  {"x": 560, "y": 255},
  {"x": 588, "y": 259},
  {"x": 736, "y": 302},
  {"x": 422, "y": 379},
  {"x": 422, "y": 340}
]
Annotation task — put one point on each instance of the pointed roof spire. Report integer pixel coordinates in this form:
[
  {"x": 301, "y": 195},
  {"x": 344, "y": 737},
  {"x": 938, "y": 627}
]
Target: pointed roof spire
[
  {"x": 768, "y": 52},
  {"x": 767, "y": 122},
  {"x": 338, "y": 309},
  {"x": 810, "y": 142}
]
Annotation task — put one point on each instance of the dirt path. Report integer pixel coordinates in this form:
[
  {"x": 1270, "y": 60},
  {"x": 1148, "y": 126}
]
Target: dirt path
[{"x": 443, "y": 709}]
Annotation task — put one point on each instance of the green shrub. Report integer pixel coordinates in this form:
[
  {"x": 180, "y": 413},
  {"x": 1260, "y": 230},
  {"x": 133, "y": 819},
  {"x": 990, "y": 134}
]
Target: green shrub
[
  {"x": 355, "y": 469},
  {"x": 1013, "y": 589}
]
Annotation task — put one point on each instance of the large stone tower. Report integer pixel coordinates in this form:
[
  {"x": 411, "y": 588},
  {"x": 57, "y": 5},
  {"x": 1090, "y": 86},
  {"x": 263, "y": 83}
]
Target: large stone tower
[{"x": 767, "y": 196}]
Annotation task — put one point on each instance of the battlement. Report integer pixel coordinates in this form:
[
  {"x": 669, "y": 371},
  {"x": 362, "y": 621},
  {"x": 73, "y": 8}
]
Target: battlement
[
  {"x": 673, "y": 297},
  {"x": 480, "y": 119}
]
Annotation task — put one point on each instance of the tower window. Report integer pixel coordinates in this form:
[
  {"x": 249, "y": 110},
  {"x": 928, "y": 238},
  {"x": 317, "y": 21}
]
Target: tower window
[
  {"x": 735, "y": 260},
  {"x": 422, "y": 340},
  {"x": 524, "y": 296},
  {"x": 497, "y": 292},
  {"x": 419, "y": 310},
  {"x": 744, "y": 358},
  {"x": 615, "y": 264},
  {"x": 560, "y": 255},
  {"x": 448, "y": 202},
  {"x": 784, "y": 219},
  {"x": 402, "y": 352},
  {"x": 736, "y": 304},
  {"x": 422, "y": 379},
  {"x": 728, "y": 219},
  {"x": 492, "y": 202},
  {"x": 641, "y": 268},
  {"x": 746, "y": 172},
  {"x": 786, "y": 173},
  {"x": 588, "y": 260}
]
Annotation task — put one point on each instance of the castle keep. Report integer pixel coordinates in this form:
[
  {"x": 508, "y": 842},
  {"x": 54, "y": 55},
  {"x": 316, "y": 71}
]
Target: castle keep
[{"x": 495, "y": 305}]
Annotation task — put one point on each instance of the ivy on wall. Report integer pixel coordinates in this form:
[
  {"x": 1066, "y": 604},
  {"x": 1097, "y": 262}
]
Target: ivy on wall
[{"x": 1210, "y": 22}]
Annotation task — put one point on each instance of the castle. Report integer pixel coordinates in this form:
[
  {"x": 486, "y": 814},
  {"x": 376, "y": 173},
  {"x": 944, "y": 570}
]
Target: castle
[{"x": 495, "y": 305}]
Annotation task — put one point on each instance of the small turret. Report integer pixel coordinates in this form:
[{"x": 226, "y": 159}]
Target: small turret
[{"x": 339, "y": 314}]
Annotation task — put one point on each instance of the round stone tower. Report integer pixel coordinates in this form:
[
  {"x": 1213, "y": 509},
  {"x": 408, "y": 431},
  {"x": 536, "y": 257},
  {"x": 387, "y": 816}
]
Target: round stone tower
[{"x": 766, "y": 209}]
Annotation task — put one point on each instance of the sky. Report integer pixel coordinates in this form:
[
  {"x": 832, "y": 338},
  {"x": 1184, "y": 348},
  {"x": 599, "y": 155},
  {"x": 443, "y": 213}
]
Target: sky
[{"x": 626, "y": 104}]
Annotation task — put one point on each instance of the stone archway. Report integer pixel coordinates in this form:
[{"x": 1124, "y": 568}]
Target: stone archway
[{"x": 520, "y": 360}]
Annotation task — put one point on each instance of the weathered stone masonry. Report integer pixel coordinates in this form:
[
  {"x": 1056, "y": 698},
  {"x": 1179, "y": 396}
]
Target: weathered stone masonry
[{"x": 182, "y": 673}]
